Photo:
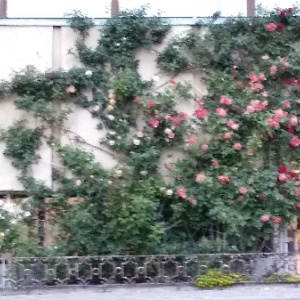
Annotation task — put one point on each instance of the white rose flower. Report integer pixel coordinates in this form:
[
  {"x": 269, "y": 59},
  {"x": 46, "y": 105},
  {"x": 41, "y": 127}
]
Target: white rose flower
[
  {"x": 110, "y": 108},
  {"x": 169, "y": 192},
  {"x": 13, "y": 221},
  {"x": 119, "y": 173},
  {"x": 88, "y": 73},
  {"x": 27, "y": 214},
  {"x": 92, "y": 176},
  {"x": 143, "y": 173},
  {"x": 155, "y": 78},
  {"x": 136, "y": 142},
  {"x": 111, "y": 143},
  {"x": 110, "y": 117},
  {"x": 78, "y": 182},
  {"x": 2, "y": 234},
  {"x": 109, "y": 182},
  {"x": 168, "y": 131},
  {"x": 112, "y": 133},
  {"x": 117, "y": 44},
  {"x": 140, "y": 134}
]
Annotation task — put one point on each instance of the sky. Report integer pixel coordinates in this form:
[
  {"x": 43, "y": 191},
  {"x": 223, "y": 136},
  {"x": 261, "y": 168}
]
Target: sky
[{"x": 100, "y": 8}]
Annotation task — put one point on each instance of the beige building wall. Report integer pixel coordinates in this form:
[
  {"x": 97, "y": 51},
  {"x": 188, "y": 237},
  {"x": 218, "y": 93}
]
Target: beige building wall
[{"x": 46, "y": 48}]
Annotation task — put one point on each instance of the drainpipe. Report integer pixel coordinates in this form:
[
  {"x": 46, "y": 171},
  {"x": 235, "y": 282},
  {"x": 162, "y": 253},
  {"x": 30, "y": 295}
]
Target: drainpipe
[
  {"x": 114, "y": 8},
  {"x": 250, "y": 8},
  {"x": 3, "y": 9}
]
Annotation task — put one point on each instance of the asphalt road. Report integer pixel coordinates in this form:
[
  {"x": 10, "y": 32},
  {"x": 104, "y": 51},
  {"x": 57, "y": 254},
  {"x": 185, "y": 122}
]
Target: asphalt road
[{"x": 253, "y": 292}]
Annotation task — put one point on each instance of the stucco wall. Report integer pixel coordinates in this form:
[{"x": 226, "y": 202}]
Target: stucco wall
[{"x": 47, "y": 47}]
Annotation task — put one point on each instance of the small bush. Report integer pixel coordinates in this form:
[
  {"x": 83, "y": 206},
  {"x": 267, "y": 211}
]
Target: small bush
[{"x": 216, "y": 278}]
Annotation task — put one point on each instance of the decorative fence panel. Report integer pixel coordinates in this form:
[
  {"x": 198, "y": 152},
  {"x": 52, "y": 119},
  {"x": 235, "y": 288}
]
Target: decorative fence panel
[{"x": 16, "y": 273}]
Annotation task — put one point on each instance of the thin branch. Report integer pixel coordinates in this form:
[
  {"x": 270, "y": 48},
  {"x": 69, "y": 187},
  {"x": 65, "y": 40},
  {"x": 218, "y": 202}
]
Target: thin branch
[
  {"x": 173, "y": 225},
  {"x": 83, "y": 141}
]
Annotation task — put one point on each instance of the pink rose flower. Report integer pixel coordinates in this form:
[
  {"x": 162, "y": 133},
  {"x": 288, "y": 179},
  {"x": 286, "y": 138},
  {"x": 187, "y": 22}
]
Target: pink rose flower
[
  {"x": 221, "y": 112},
  {"x": 265, "y": 218},
  {"x": 200, "y": 177},
  {"x": 151, "y": 103},
  {"x": 192, "y": 201},
  {"x": 243, "y": 190},
  {"x": 273, "y": 122},
  {"x": 225, "y": 100},
  {"x": 215, "y": 163},
  {"x": 293, "y": 121},
  {"x": 204, "y": 147},
  {"x": 232, "y": 125},
  {"x": 171, "y": 135},
  {"x": 201, "y": 113},
  {"x": 271, "y": 27},
  {"x": 237, "y": 146},
  {"x": 277, "y": 220},
  {"x": 240, "y": 84},
  {"x": 227, "y": 135},
  {"x": 282, "y": 177},
  {"x": 223, "y": 178},
  {"x": 280, "y": 113},
  {"x": 249, "y": 110},
  {"x": 153, "y": 123},
  {"x": 192, "y": 140},
  {"x": 181, "y": 192},
  {"x": 295, "y": 142},
  {"x": 273, "y": 70}
]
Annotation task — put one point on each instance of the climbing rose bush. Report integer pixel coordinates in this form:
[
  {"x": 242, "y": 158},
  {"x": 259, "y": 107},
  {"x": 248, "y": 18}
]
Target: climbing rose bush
[{"x": 245, "y": 179}]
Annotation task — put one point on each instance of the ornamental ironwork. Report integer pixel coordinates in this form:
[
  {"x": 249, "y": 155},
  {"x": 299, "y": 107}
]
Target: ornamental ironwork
[{"x": 36, "y": 272}]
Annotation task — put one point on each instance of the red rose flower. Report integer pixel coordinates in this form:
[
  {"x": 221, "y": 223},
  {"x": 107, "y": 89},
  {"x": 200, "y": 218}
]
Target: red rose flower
[
  {"x": 280, "y": 26},
  {"x": 262, "y": 197},
  {"x": 283, "y": 169},
  {"x": 290, "y": 10},
  {"x": 282, "y": 13},
  {"x": 277, "y": 220},
  {"x": 151, "y": 103},
  {"x": 289, "y": 81}
]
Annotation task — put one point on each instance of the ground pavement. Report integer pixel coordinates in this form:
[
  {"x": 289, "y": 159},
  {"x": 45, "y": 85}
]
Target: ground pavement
[{"x": 257, "y": 292}]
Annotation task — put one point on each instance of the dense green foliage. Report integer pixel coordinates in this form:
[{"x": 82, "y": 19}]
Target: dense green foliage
[{"x": 235, "y": 182}]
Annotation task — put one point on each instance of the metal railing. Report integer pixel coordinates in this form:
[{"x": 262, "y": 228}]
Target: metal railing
[{"x": 16, "y": 273}]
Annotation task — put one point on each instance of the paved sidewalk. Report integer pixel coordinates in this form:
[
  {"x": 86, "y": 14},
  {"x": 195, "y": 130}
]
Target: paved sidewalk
[{"x": 257, "y": 292}]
